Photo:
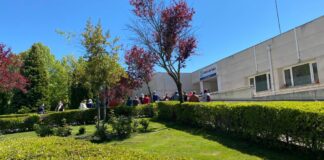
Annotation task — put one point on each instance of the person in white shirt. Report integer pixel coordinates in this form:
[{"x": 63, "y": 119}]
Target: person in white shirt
[{"x": 83, "y": 105}]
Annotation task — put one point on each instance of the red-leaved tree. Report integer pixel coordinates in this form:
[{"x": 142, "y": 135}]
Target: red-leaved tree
[
  {"x": 10, "y": 77},
  {"x": 140, "y": 67},
  {"x": 166, "y": 33}
]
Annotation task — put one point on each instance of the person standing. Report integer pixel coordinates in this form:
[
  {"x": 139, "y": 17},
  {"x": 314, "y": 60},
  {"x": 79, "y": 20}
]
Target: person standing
[
  {"x": 155, "y": 97},
  {"x": 83, "y": 105},
  {"x": 60, "y": 106},
  {"x": 141, "y": 98},
  {"x": 136, "y": 101},
  {"x": 90, "y": 103},
  {"x": 41, "y": 109},
  {"x": 146, "y": 99},
  {"x": 185, "y": 97},
  {"x": 206, "y": 96}
]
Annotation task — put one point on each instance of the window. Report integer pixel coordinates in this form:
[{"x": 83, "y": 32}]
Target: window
[
  {"x": 261, "y": 83},
  {"x": 315, "y": 73},
  {"x": 301, "y": 75},
  {"x": 269, "y": 81},
  {"x": 287, "y": 78},
  {"x": 251, "y": 82}
]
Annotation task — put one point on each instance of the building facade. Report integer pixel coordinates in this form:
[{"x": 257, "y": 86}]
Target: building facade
[{"x": 286, "y": 67}]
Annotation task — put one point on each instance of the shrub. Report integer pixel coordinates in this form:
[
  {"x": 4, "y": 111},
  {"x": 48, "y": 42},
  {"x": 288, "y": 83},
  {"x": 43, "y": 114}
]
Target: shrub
[
  {"x": 31, "y": 120},
  {"x": 145, "y": 123},
  {"x": 43, "y": 130},
  {"x": 24, "y": 110},
  {"x": 100, "y": 134},
  {"x": 72, "y": 117},
  {"x": 296, "y": 123},
  {"x": 64, "y": 130},
  {"x": 135, "y": 125},
  {"x": 121, "y": 126},
  {"x": 82, "y": 131},
  {"x": 58, "y": 148}
]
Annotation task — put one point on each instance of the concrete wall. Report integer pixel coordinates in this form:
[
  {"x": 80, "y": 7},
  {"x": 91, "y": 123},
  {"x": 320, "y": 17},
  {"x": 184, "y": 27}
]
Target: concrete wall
[
  {"x": 162, "y": 83},
  {"x": 303, "y": 44}
]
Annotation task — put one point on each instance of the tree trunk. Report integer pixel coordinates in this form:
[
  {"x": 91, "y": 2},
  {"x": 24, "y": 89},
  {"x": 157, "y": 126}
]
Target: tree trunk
[
  {"x": 179, "y": 87},
  {"x": 98, "y": 107},
  {"x": 149, "y": 89}
]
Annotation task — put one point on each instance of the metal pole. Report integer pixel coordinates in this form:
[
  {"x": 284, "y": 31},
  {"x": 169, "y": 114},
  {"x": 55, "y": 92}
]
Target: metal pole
[{"x": 278, "y": 16}]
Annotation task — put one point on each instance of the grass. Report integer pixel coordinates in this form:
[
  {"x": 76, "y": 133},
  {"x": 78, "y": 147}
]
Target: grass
[{"x": 177, "y": 141}]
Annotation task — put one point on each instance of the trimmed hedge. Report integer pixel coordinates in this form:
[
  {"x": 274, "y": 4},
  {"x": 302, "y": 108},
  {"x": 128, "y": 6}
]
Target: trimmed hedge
[
  {"x": 25, "y": 122},
  {"x": 57, "y": 148},
  {"x": 293, "y": 123}
]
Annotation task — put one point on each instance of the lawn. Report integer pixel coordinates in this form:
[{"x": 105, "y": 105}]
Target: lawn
[{"x": 172, "y": 140}]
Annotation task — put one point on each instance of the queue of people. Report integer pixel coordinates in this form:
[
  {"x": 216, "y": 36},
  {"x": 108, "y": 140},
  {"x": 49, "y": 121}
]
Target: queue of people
[{"x": 187, "y": 97}]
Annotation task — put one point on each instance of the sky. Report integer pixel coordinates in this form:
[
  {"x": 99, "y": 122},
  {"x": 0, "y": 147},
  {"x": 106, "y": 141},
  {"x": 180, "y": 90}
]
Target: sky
[{"x": 222, "y": 27}]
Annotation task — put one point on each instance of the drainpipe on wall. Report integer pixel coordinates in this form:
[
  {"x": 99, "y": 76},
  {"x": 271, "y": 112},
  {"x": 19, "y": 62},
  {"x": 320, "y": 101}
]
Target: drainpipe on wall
[
  {"x": 271, "y": 70},
  {"x": 297, "y": 45},
  {"x": 255, "y": 60}
]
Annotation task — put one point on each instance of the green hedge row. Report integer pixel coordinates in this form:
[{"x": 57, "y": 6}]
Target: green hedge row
[
  {"x": 26, "y": 123},
  {"x": 293, "y": 123},
  {"x": 21, "y": 123}
]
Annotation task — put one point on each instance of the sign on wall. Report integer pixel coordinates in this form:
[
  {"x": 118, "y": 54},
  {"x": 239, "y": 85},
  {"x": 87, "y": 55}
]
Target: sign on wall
[{"x": 208, "y": 72}]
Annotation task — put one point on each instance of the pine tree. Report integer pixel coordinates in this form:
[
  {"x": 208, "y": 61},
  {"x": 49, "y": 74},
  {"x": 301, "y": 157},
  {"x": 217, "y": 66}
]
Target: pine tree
[{"x": 36, "y": 72}]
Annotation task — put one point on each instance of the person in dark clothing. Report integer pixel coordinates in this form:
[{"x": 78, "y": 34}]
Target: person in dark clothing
[
  {"x": 155, "y": 97},
  {"x": 136, "y": 101},
  {"x": 41, "y": 109},
  {"x": 185, "y": 97},
  {"x": 129, "y": 102}
]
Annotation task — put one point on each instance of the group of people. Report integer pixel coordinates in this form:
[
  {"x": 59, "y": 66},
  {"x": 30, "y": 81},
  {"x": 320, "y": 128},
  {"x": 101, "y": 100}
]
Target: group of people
[
  {"x": 190, "y": 97},
  {"x": 86, "y": 104}
]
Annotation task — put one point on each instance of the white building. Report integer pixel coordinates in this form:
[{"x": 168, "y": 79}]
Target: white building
[{"x": 288, "y": 66}]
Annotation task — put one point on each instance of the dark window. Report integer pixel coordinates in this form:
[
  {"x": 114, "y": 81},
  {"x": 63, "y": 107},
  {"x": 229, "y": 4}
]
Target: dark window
[
  {"x": 314, "y": 65},
  {"x": 288, "y": 78},
  {"x": 269, "y": 77},
  {"x": 252, "y": 82},
  {"x": 261, "y": 83},
  {"x": 301, "y": 75}
]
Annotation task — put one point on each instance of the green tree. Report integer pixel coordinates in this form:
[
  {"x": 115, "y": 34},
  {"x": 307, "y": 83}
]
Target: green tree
[
  {"x": 35, "y": 70},
  {"x": 102, "y": 59},
  {"x": 80, "y": 87}
]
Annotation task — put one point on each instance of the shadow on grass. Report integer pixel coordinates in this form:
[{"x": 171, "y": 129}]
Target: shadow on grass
[{"x": 243, "y": 145}]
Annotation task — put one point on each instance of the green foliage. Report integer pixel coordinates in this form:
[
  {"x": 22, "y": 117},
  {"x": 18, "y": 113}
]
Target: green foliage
[
  {"x": 31, "y": 120},
  {"x": 72, "y": 117},
  {"x": 296, "y": 123},
  {"x": 21, "y": 123},
  {"x": 145, "y": 124},
  {"x": 24, "y": 110},
  {"x": 82, "y": 130},
  {"x": 101, "y": 133},
  {"x": 56, "y": 148},
  {"x": 43, "y": 130},
  {"x": 121, "y": 126},
  {"x": 102, "y": 57},
  {"x": 36, "y": 71}
]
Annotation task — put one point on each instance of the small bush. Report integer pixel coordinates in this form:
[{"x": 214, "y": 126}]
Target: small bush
[
  {"x": 64, "y": 130},
  {"x": 31, "y": 120},
  {"x": 24, "y": 110},
  {"x": 145, "y": 124},
  {"x": 100, "y": 134},
  {"x": 82, "y": 131},
  {"x": 43, "y": 130},
  {"x": 135, "y": 125},
  {"x": 121, "y": 126}
]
